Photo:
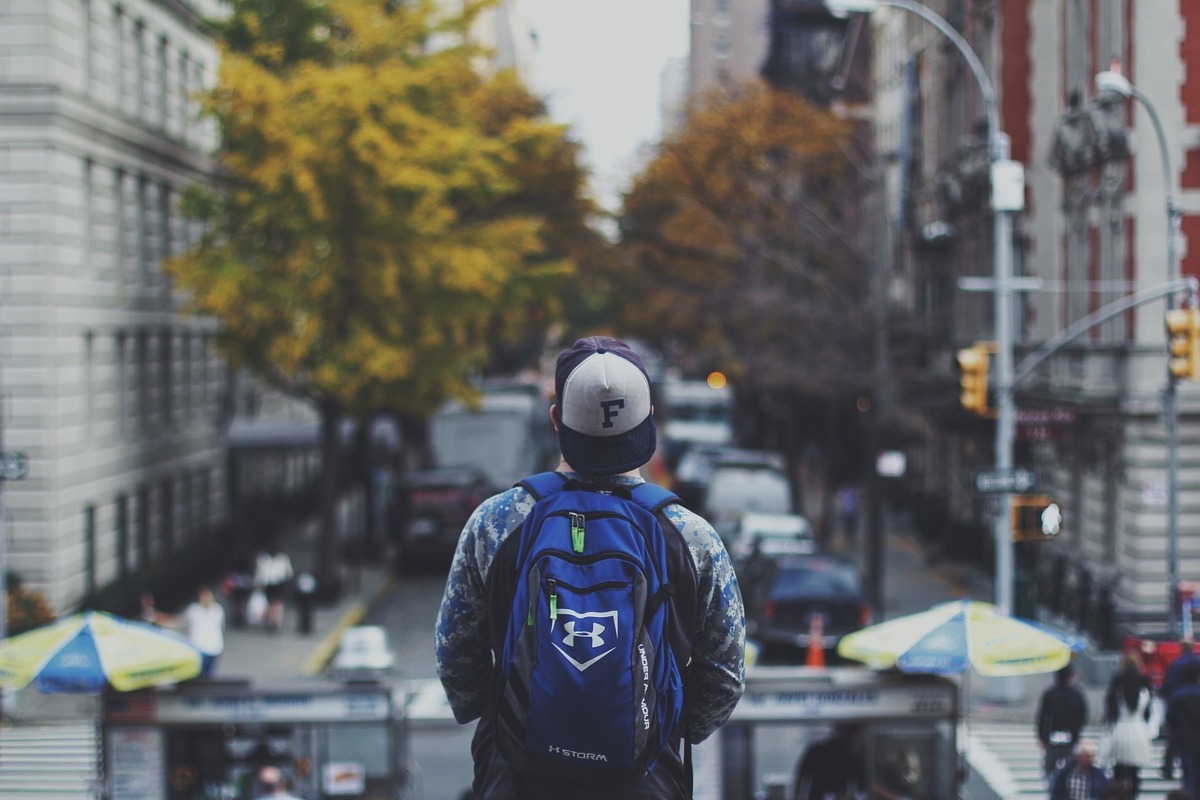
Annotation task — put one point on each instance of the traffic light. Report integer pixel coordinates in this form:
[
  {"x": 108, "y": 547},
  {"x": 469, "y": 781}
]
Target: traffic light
[
  {"x": 973, "y": 369},
  {"x": 1183, "y": 328},
  {"x": 1035, "y": 518}
]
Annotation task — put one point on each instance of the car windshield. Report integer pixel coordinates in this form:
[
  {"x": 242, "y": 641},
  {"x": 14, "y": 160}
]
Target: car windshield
[{"x": 817, "y": 579}]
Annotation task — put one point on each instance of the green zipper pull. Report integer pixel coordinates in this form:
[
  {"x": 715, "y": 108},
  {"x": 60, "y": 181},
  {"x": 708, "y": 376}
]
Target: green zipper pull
[
  {"x": 553, "y": 599},
  {"x": 529, "y": 616},
  {"x": 577, "y": 521}
]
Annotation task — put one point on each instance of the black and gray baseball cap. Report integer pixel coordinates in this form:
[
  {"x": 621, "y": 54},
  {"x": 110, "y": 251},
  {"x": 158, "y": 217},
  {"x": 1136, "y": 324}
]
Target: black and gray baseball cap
[{"x": 604, "y": 409}]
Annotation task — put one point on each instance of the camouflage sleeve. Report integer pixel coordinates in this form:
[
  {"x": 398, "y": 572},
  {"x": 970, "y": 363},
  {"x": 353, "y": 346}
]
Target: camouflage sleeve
[
  {"x": 461, "y": 646},
  {"x": 716, "y": 677}
]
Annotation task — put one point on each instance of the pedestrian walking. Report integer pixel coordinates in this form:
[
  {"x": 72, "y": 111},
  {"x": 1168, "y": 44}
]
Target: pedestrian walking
[
  {"x": 1127, "y": 712},
  {"x": 1183, "y": 723},
  {"x": 1179, "y": 673},
  {"x": 1061, "y": 714},
  {"x": 606, "y": 431},
  {"x": 847, "y": 502},
  {"x": 272, "y": 574},
  {"x": 1080, "y": 778},
  {"x": 203, "y": 623},
  {"x": 204, "y": 626}
]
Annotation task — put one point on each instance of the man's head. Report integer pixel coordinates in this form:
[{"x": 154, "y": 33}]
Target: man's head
[
  {"x": 1065, "y": 676},
  {"x": 271, "y": 778},
  {"x": 1085, "y": 753},
  {"x": 603, "y": 410}
]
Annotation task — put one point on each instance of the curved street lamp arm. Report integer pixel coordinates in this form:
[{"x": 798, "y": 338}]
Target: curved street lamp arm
[{"x": 1082, "y": 326}]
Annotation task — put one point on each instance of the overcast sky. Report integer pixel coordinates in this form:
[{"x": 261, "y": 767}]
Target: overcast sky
[{"x": 600, "y": 66}]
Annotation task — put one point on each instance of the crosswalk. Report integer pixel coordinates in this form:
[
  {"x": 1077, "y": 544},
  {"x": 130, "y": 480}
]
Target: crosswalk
[
  {"x": 1008, "y": 758},
  {"x": 49, "y": 762}
]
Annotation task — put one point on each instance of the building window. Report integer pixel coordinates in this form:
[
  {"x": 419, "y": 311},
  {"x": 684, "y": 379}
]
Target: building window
[
  {"x": 121, "y": 56},
  {"x": 184, "y": 94},
  {"x": 143, "y": 380},
  {"x": 89, "y": 550},
  {"x": 122, "y": 535},
  {"x": 89, "y": 385},
  {"x": 166, "y": 364},
  {"x": 122, "y": 355},
  {"x": 166, "y": 515},
  {"x": 143, "y": 232},
  {"x": 88, "y": 256},
  {"x": 139, "y": 69},
  {"x": 85, "y": 43},
  {"x": 161, "y": 82},
  {"x": 122, "y": 229},
  {"x": 145, "y": 545}
]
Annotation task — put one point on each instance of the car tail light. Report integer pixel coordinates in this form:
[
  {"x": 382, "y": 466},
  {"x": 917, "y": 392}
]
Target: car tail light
[
  {"x": 768, "y": 611},
  {"x": 864, "y": 616}
]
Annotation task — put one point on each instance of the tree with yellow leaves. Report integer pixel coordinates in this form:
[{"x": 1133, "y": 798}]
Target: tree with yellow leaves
[{"x": 379, "y": 223}]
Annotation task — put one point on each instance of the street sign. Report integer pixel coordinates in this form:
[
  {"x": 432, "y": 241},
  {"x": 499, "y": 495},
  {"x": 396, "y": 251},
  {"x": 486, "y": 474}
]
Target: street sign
[
  {"x": 1005, "y": 481},
  {"x": 13, "y": 466}
]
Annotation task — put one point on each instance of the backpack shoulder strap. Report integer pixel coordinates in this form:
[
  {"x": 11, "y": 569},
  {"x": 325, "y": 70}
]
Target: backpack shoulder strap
[
  {"x": 543, "y": 484},
  {"x": 653, "y": 497}
]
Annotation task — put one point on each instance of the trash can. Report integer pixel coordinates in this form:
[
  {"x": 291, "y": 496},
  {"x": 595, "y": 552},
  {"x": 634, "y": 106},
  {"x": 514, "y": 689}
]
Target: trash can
[{"x": 306, "y": 590}]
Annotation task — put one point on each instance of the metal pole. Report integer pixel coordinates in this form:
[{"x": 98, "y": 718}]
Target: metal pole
[
  {"x": 1002, "y": 266},
  {"x": 1170, "y": 394}
]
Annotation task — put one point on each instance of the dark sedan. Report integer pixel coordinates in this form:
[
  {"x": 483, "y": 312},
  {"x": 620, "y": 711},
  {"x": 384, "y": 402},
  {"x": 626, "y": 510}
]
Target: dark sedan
[{"x": 791, "y": 597}]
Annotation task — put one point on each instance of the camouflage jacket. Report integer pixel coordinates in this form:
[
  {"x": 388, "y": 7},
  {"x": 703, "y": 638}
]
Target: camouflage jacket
[{"x": 715, "y": 677}]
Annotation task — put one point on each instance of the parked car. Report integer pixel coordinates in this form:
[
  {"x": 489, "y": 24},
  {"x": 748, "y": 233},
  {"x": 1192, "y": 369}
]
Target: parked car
[
  {"x": 434, "y": 505},
  {"x": 736, "y": 489},
  {"x": 772, "y": 534},
  {"x": 693, "y": 473},
  {"x": 786, "y": 594},
  {"x": 363, "y": 648}
]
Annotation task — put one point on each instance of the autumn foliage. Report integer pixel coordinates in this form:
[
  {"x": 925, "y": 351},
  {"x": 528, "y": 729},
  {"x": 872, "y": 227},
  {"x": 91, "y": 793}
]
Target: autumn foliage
[{"x": 738, "y": 237}]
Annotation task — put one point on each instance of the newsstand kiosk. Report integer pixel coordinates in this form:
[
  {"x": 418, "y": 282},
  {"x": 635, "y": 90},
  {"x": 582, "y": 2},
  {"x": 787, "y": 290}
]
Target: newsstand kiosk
[{"x": 205, "y": 740}]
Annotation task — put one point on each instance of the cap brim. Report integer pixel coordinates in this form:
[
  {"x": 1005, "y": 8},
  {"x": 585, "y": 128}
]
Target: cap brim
[{"x": 608, "y": 455}]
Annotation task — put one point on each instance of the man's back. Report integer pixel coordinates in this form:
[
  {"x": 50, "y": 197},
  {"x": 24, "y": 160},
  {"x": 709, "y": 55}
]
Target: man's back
[{"x": 604, "y": 419}]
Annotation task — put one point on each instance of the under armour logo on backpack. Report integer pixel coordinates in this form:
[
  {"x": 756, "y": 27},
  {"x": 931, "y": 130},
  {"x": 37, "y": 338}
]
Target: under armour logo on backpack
[
  {"x": 572, "y": 630},
  {"x": 593, "y": 634}
]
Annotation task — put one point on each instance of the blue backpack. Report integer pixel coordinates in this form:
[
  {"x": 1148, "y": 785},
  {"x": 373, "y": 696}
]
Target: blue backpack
[{"x": 589, "y": 672}]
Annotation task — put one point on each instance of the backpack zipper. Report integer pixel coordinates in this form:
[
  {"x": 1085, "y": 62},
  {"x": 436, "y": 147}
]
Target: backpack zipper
[
  {"x": 553, "y": 584},
  {"x": 577, "y": 532}
]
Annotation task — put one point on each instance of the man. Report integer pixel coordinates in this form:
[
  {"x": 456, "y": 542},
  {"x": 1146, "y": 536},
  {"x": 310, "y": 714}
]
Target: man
[
  {"x": 1178, "y": 674},
  {"x": 1183, "y": 724},
  {"x": 605, "y": 424},
  {"x": 1080, "y": 779},
  {"x": 204, "y": 626},
  {"x": 1062, "y": 713},
  {"x": 272, "y": 785},
  {"x": 833, "y": 768}
]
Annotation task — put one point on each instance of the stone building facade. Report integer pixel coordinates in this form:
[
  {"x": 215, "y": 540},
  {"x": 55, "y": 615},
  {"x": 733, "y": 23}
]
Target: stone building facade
[{"x": 115, "y": 398}]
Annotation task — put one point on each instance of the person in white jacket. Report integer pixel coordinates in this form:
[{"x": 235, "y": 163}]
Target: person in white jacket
[{"x": 272, "y": 573}]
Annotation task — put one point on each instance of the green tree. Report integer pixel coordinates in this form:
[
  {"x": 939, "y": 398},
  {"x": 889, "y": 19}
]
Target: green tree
[{"x": 376, "y": 230}]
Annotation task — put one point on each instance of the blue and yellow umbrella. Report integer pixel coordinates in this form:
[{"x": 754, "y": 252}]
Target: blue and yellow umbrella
[
  {"x": 90, "y": 652},
  {"x": 952, "y": 637}
]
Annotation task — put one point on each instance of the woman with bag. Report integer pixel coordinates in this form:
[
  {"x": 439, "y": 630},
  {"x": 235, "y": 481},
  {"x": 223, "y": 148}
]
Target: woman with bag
[
  {"x": 1127, "y": 711},
  {"x": 272, "y": 573}
]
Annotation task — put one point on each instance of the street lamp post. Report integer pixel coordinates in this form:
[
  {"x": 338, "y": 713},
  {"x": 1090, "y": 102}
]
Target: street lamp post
[
  {"x": 1112, "y": 81},
  {"x": 1008, "y": 196}
]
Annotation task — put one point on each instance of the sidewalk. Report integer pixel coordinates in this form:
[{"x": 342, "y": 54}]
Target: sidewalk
[{"x": 252, "y": 653}]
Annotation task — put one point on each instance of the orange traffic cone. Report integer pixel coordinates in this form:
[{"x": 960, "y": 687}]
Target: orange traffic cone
[{"x": 816, "y": 643}]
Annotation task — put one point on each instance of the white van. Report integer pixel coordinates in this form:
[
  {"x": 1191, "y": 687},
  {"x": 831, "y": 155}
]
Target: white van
[{"x": 736, "y": 490}]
